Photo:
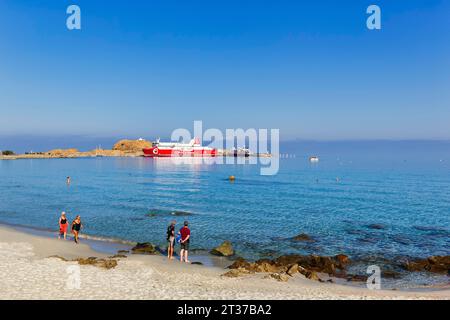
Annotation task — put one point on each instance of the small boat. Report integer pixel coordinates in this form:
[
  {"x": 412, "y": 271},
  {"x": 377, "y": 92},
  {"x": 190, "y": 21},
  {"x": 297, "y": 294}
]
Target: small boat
[
  {"x": 176, "y": 149},
  {"x": 313, "y": 159}
]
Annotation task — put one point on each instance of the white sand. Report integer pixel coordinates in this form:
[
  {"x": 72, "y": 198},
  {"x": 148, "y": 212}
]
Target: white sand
[{"x": 27, "y": 273}]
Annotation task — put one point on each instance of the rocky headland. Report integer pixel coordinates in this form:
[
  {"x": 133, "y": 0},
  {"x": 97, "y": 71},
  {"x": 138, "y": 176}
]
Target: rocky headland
[{"x": 122, "y": 148}]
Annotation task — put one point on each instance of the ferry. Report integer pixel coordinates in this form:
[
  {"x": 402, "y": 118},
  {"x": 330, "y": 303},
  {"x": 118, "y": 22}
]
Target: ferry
[{"x": 176, "y": 149}]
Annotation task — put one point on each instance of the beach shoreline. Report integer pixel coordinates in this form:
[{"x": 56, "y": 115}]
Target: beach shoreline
[
  {"x": 28, "y": 271},
  {"x": 111, "y": 246},
  {"x": 352, "y": 275}
]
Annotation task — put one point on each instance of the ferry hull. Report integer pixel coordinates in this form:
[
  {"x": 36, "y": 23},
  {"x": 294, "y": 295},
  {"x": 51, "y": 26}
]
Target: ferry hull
[{"x": 162, "y": 152}]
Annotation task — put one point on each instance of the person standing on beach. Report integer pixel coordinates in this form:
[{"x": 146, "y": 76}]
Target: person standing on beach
[
  {"x": 185, "y": 236},
  {"x": 170, "y": 239},
  {"x": 76, "y": 227},
  {"x": 63, "y": 224}
]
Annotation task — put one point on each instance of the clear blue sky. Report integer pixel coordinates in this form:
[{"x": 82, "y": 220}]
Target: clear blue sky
[{"x": 143, "y": 68}]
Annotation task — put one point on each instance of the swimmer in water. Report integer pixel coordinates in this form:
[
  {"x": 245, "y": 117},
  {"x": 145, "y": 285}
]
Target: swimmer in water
[{"x": 68, "y": 180}]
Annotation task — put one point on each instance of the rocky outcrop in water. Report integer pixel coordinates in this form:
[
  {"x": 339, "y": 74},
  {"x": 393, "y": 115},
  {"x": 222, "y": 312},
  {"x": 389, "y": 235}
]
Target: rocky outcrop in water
[
  {"x": 316, "y": 263},
  {"x": 123, "y": 148},
  {"x": 289, "y": 265},
  {"x": 302, "y": 237},
  {"x": 132, "y": 145},
  {"x": 376, "y": 226},
  {"x": 163, "y": 212},
  {"x": 390, "y": 274},
  {"x": 144, "y": 248},
  {"x": 225, "y": 249},
  {"x": 437, "y": 264}
]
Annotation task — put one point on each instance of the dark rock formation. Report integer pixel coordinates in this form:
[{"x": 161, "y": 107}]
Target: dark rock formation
[
  {"x": 311, "y": 275},
  {"x": 234, "y": 273},
  {"x": 102, "y": 263},
  {"x": 278, "y": 276},
  {"x": 163, "y": 212},
  {"x": 292, "y": 270},
  {"x": 225, "y": 249},
  {"x": 144, "y": 248},
  {"x": 376, "y": 226},
  {"x": 315, "y": 263},
  {"x": 309, "y": 266},
  {"x": 117, "y": 256},
  {"x": 390, "y": 274},
  {"x": 267, "y": 267},
  {"x": 356, "y": 277},
  {"x": 240, "y": 263},
  {"x": 437, "y": 264},
  {"x": 302, "y": 237}
]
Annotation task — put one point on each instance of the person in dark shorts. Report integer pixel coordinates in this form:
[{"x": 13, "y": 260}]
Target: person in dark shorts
[
  {"x": 170, "y": 239},
  {"x": 185, "y": 236},
  {"x": 76, "y": 227}
]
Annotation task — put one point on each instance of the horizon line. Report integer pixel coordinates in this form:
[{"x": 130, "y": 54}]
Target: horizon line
[{"x": 135, "y": 137}]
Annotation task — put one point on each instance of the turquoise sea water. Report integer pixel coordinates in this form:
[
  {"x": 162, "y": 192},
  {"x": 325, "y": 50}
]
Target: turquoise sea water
[{"x": 335, "y": 201}]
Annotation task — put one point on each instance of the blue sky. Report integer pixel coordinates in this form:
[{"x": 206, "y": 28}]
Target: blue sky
[{"x": 143, "y": 68}]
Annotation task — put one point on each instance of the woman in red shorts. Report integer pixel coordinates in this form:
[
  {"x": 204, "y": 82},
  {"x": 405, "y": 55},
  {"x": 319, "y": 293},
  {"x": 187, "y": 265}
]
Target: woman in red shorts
[{"x": 63, "y": 224}]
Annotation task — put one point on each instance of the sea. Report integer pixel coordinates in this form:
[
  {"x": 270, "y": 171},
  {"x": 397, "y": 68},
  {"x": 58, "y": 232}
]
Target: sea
[{"x": 374, "y": 201}]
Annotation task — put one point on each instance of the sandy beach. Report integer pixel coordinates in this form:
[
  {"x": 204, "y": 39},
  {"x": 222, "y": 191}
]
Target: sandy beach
[{"x": 27, "y": 271}]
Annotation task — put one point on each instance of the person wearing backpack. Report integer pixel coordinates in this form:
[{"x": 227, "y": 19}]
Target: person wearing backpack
[{"x": 170, "y": 239}]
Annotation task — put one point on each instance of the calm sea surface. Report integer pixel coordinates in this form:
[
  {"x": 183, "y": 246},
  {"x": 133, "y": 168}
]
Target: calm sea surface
[{"x": 334, "y": 201}]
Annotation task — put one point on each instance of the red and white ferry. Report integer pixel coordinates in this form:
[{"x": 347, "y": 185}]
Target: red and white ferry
[{"x": 176, "y": 149}]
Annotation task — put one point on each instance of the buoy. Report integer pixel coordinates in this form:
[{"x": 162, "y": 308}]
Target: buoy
[{"x": 231, "y": 178}]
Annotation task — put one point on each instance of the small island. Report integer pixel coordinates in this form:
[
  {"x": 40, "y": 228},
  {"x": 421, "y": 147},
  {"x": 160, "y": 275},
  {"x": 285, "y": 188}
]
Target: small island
[{"x": 122, "y": 148}]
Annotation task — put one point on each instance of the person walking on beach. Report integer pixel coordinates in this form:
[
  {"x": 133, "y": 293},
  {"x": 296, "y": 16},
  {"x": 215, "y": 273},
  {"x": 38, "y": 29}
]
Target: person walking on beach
[
  {"x": 170, "y": 239},
  {"x": 63, "y": 224},
  {"x": 185, "y": 236},
  {"x": 76, "y": 227}
]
